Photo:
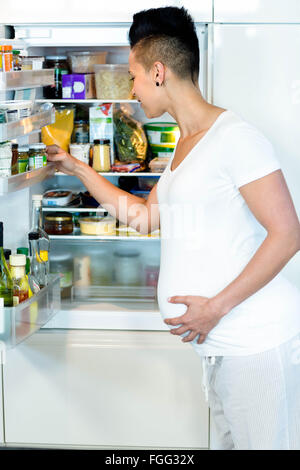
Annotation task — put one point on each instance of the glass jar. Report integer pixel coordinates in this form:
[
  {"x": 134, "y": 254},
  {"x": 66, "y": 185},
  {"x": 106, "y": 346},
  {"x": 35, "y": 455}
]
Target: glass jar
[
  {"x": 80, "y": 132},
  {"x": 127, "y": 268},
  {"x": 62, "y": 264},
  {"x": 37, "y": 156},
  {"x": 5, "y": 158},
  {"x": 60, "y": 65},
  {"x": 23, "y": 159},
  {"x": 17, "y": 61},
  {"x": 58, "y": 223},
  {"x": 101, "y": 155}
]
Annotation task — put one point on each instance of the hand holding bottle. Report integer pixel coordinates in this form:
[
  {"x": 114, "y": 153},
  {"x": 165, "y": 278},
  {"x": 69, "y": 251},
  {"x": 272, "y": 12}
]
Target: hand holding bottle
[{"x": 64, "y": 161}]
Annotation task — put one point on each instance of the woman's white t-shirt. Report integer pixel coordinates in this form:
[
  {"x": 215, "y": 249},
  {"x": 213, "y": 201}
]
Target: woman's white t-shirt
[{"x": 208, "y": 236}]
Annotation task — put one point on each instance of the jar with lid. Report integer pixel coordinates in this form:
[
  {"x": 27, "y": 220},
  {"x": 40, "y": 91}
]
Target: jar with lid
[
  {"x": 62, "y": 264},
  {"x": 58, "y": 223},
  {"x": 5, "y": 158},
  {"x": 127, "y": 268},
  {"x": 17, "y": 61},
  {"x": 60, "y": 65},
  {"x": 14, "y": 160},
  {"x": 37, "y": 156},
  {"x": 80, "y": 132},
  {"x": 101, "y": 155},
  {"x": 23, "y": 159}
]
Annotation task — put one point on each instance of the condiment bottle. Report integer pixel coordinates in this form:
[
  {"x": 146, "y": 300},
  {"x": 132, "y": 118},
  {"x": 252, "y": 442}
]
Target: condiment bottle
[
  {"x": 20, "y": 281},
  {"x": 23, "y": 159},
  {"x": 101, "y": 155},
  {"x": 6, "y": 284},
  {"x": 14, "y": 159},
  {"x": 38, "y": 271}
]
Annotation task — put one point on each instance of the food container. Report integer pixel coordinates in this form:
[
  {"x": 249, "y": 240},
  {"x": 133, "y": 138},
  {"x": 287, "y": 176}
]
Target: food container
[
  {"x": 77, "y": 86},
  {"x": 127, "y": 268},
  {"x": 57, "y": 198},
  {"x": 162, "y": 152},
  {"x": 37, "y": 156},
  {"x": 162, "y": 133},
  {"x": 5, "y": 158},
  {"x": 84, "y": 61},
  {"x": 80, "y": 132},
  {"x": 98, "y": 225},
  {"x": 81, "y": 152},
  {"x": 147, "y": 183},
  {"x": 112, "y": 82},
  {"x": 23, "y": 159},
  {"x": 32, "y": 62},
  {"x": 158, "y": 165},
  {"x": 15, "y": 110},
  {"x": 58, "y": 223},
  {"x": 60, "y": 66}
]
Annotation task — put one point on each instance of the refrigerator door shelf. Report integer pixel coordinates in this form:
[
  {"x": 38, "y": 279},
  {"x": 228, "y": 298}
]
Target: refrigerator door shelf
[
  {"x": 43, "y": 115},
  {"x": 26, "y": 79},
  {"x": 24, "y": 180},
  {"x": 20, "y": 322},
  {"x": 114, "y": 293}
]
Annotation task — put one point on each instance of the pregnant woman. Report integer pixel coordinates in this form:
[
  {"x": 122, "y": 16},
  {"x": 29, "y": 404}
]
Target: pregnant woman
[{"x": 228, "y": 227}]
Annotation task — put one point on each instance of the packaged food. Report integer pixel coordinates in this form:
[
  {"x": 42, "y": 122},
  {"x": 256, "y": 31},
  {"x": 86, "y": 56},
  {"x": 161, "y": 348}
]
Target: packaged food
[
  {"x": 84, "y": 61},
  {"x": 58, "y": 223},
  {"x": 60, "y": 132},
  {"x": 5, "y": 158},
  {"x": 112, "y": 82},
  {"x": 23, "y": 159},
  {"x": 82, "y": 271},
  {"x": 78, "y": 86},
  {"x": 127, "y": 167},
  {"x": 62, "y": 264},
  {"x": 14, "y": 160},
  {"x": 81, "y": 152},
  {"x": 80, "y": 132},
  {"x": 162, "y": 152},
  {"x": 17, "y": 60},
  {"x": 12, "y": 115},
  {"x": 162, "y": 133},
  {"x": 101, "y": 124},
  {"x": 31, "y": 62},
  {"x": 61, "y": 67},
  {"x": 101, "y": 155},
  {"x": 37, "y": 156},
  {"x": 98, "y": 225},
  {"x": 158, "y": 165},
  {"x": 57, "y": 198},
  {"x": 16, "y": 110},
  {"x": 130, "y": 138}
]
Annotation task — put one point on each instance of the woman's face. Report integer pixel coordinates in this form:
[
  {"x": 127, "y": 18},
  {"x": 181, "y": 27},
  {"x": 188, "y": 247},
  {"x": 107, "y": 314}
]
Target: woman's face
[{"x": 144, "y": 88}]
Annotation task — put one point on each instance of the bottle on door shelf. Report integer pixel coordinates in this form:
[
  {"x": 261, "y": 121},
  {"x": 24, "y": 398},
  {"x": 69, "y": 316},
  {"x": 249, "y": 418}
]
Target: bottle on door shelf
[
  {"x": 14, "y": 160},
  {"x": 6, "y": 283},
  {"x": 19, "y": 278},
  {"x": 7, "y": 254},
  {"x": 37, "y": 226},
  {"x": 38, "y": 270}
]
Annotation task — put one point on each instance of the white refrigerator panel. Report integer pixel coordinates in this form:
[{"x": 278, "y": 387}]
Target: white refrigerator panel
[
  {"x": 76, "y": 11},
  {"x": 110, "y": 389},
  {"x": 256, "y": 11},
  {"x": 256, "y": 74}
]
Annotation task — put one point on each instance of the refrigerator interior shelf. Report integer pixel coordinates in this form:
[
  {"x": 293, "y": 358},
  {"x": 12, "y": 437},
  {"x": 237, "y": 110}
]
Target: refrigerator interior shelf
[
  {"x": 78, "y": 237},
  {"x": 116, "y": 173},
  {"x": 24, "y": 180},
  {"x": 26, "y": 79},
  {"x": 95, "y": 100},
  {"x": 73, "y": 209},
  {"x": 114, "y": 293},
  {"x": 42, "y": 116},
  {"x": 20, "y": 322}
]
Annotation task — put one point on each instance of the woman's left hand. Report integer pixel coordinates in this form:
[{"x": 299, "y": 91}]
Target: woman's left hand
[{"x": 200, "y": 317}]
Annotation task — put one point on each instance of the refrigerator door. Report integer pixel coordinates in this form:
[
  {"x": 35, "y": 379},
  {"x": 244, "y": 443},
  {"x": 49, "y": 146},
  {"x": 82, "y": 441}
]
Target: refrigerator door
[
  {"x": 256, "y": 11},
  {"x": 255, "y": 74}
]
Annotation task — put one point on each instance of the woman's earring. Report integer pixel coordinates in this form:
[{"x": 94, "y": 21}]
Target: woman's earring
[{"x": 157, "y": 84}]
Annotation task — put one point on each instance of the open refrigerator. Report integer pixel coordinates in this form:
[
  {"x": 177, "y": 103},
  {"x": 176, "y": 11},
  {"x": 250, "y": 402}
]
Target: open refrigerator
[{"x": 105, "y": 331}]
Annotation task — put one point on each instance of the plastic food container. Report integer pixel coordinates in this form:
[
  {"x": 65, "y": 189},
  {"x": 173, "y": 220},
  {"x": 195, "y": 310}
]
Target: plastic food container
[
  {"x": 112, "y": 82},
  {"x": 162, "y": 133},
  {"x": 98, "y": 225},
  {"x": 16, "y": 110},
  {"x": 58, "y": 223},
  {"x": 162, "y": 152},
  {"x": 158, "y": 165},
  {"x": 57, "y": 198},
  {"x": 81, "y": 152},
  {"x": 83, "y": 62}
]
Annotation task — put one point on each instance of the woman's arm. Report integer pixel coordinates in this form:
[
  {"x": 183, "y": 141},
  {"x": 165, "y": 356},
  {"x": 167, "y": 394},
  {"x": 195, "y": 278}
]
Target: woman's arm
[
  {"x": 129, "y": 209},
  {"x": 269, "y": 200}
]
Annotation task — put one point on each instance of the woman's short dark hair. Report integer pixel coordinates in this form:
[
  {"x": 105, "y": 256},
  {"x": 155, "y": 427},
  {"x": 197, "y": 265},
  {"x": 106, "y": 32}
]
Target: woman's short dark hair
[{"x": 167, "y": 35}]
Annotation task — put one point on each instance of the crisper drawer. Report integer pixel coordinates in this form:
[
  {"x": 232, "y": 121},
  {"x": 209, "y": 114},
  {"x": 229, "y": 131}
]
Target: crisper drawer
[{"x": 18, "y": 323}]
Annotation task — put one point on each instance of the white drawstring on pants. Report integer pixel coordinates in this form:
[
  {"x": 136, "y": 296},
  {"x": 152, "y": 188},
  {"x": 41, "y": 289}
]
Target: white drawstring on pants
[{"x": 206, "y": 361}]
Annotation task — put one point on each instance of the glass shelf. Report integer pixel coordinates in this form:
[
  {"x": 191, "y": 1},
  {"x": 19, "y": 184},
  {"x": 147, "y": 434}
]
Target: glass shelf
[
  {"x": 78, "y": 237},
  {"x": 24, "y": 180},
  {"x": 94, "y": 100},
  {"x": 43, "y": 115},
  {"x": 116, "y": 173},
  {"x": 26, "y": 79}
]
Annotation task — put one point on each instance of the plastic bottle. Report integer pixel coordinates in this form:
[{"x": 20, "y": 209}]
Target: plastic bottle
[
  {"x": 38, "y": 271},
  {"x": 6, "y": 283},
  {"x": 19, "y": 278}
]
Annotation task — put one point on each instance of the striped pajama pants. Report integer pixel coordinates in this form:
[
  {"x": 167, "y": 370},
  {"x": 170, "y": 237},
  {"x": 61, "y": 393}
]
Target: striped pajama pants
[{"x": 255, "y": 400}]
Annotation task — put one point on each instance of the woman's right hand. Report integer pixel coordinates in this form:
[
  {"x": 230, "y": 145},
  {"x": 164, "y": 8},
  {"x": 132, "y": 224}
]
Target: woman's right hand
[{"x": 64, "y": 162}]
